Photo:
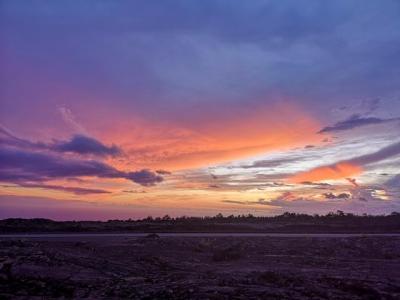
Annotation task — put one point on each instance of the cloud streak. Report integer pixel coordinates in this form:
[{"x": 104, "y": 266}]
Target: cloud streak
[
  {"x": 74, "y": 190},
  {"x": 355, "y": 121},
  {"x": 346, "y": 168}
]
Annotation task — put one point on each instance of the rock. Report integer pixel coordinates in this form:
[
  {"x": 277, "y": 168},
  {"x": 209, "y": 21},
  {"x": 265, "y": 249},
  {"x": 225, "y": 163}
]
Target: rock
[
  {"x": 152, "y": 236},
  {"x": 5, "y": 268},
  {"x": 227, "y": 254}
]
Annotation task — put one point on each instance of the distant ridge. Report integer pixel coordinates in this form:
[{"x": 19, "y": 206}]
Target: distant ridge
[{"x": 338, "y": 222}]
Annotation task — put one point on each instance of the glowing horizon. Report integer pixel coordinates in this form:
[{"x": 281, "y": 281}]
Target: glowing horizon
[{"x": 116, "y": 109}]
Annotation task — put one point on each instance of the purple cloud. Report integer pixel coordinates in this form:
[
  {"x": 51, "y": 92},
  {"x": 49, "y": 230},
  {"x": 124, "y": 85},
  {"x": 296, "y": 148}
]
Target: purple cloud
[
  {"x": 355, "y": 121},
  {"x": 382, "y": 154},
  {"x": 9, "y": 139},
  {"x": 86, "y": 145},
  {"x": 270, "y": 163},
  {"x": 394, "y": 182},
  {"x": 79, "y": 144},
  {"x": 74, "y": 190},
  {"x": 336, "y": 196},
  {"x": 144, "y": 177},
  {"x": 22, "y": 165}
]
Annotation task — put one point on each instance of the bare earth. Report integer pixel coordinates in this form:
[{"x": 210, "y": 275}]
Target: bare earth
[{"x": 174, "y": 267}]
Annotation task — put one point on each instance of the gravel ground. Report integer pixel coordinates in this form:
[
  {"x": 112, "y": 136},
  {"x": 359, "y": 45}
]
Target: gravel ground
[{"x": 201, "y": 268}]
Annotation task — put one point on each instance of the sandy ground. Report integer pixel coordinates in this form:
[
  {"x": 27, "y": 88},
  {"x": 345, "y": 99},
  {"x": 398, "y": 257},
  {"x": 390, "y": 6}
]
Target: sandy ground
[{"x": 171, "y": 267}]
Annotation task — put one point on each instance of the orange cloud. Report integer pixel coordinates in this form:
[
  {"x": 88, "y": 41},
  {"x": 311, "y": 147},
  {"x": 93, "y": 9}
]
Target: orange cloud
[
  {"x": 209, "y": 138},
  {"x": 332, "y": 172}
]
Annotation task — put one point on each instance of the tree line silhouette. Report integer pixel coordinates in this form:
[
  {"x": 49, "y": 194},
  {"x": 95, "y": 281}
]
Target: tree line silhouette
[{"x": 333, "y": 222}]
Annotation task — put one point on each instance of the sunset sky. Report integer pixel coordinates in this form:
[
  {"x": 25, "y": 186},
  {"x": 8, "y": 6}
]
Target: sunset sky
[{"x": 125, "y": 109}]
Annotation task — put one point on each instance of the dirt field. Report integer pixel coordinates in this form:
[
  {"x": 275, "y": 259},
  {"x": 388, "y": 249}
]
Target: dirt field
[{"x": 201, "y": 268}]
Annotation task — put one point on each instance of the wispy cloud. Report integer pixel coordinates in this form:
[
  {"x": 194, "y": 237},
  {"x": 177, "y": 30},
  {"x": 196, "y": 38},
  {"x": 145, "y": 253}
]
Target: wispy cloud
[
  {"x": 271, "y": 163},
  {"x": 346, "y": 168},
  {"x": 355, "y": 121},
  {"x": 70, "y": 119},
  {"x": 74, "y": 190},
  {"x": 163, "y": 172}
]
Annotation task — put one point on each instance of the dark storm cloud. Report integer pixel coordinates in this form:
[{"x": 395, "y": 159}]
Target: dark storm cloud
[
  {"x": 354, "y": 122},
  {"x": 21, "y": 165}
]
